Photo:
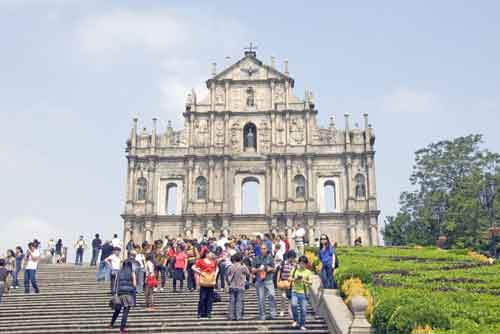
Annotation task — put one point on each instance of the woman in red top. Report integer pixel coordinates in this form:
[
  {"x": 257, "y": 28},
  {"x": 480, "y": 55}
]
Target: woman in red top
[
  {"x": 206, "y": 267},
  {"x": 180, "y": 265}
]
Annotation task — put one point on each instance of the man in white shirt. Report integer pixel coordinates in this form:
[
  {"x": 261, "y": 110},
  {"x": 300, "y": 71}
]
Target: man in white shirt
[
  {"x": 80, "y": 246},
  {"x": 116, "y": 242},
  {"x": 222, "y": 241},
  {"x": 114, "y": 262},
  {"x": 32, "y": 258}
]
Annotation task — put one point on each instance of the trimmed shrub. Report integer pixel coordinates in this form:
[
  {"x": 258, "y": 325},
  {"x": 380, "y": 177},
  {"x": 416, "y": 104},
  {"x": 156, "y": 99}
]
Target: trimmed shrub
[
  {"x": 353, "y": 272},
  {"x": 383, "y": 312},
  {"x": 408, "y": 317}
]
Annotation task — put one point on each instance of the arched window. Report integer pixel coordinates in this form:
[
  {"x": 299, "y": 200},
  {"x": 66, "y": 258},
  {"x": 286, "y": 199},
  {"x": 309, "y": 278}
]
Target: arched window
[
  {"x": 250, "y": 136},
  {"x": 300, "y": 186},
  {"x": 201, "y": 188},
  {"x": 171, "y": 199},
  {"x": 329, "y": 189},
  {"x": 142, "y": 188},
  {"x": 360, "y": 186},
  {"x": 250, "y": 196}
]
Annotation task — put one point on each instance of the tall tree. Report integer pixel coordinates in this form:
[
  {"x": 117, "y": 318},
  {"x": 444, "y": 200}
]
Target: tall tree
[{"x": 447, "y": 178}]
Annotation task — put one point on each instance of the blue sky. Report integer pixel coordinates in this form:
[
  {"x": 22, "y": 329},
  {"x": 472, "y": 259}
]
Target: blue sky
[{"x": 73, "y": 74}]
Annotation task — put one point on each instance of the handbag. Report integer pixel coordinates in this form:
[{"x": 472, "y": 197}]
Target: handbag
[
  {"x": 284, "y": 285},
  {"x": 207, "y": 280},
  {"x": 115, "y": 301},
  {"x": 151, "y": 281}
]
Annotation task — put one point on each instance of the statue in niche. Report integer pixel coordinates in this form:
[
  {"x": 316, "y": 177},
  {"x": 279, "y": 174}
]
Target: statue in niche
[
  {"x": 250, "y": 97},
  {"x": 219, "y": 95},
  {"x": 201, "y": 188},
  {"x": 250, "y": 138},
  {"x": 360, "y": 186},
  {"x": 297, "y": 131}
]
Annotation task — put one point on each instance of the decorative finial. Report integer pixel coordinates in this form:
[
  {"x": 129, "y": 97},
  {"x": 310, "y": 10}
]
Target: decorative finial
[
  {"x": 285, "y": 66},
  {"x": 251, "y": 50},
  {"x": 169, "y": 124},
  {"x": 214, "y": 68},
  {"x": 273, "y": 61}
]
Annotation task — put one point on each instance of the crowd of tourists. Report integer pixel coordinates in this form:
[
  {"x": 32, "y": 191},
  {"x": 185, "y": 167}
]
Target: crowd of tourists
[
  {"x": 211, "y": 265},
  {"x": 268, "y": 263}
]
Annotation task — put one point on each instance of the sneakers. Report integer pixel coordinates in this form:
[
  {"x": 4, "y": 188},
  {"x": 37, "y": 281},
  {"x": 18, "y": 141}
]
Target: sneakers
[
  {"x": 294, "y": 324},
  {"x": 303, "y": 328},
  {"x": 282, "y": 314},
  {"x": 161, "y": 289}
]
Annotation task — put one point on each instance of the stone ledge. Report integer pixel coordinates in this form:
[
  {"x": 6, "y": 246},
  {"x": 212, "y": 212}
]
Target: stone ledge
[{"x": 338, "y": 316}]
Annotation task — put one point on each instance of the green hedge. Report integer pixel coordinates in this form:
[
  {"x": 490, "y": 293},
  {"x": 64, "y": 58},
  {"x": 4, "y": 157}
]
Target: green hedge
[{"x": 407, "y": 317}]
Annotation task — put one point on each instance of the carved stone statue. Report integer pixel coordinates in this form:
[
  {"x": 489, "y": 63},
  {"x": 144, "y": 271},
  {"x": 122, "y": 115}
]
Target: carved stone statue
[
  {"x": 201, "y": 188},
  {"x": 250, "y": 138},
  {"x": 250, "y": 97},
  {"x": 360, "y": 186}
]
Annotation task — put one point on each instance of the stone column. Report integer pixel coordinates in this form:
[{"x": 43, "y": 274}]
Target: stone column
[
  {"x": 308, "y": 140},
  {"x": 271, "y": 83},
  {"x": 210, "y": 228},
  {"x": 352, "y": 230},
  {"x": 210, "y": 179},
  {"x": 373, "y": 232},
  {"x": 148, "y": 227},
  {"x": 151, "y": 188},
  {"x": 371, "y": 176},
  {"x": 289, "y": 231},
  {"x": 287, "y": 93},
  {"x": 188, "y": 229},
  {"x": 130, "y": 188},
  {"x": 128, "y": 232},
  {"x": 226, "y": 100},
  {"x": 309, "y": 186},
  {"x": 211, "y": 130},
  {"x": 288, "y": 179},
  {"x": 273, "y": 179},
  {"x": 273, "y": 129},
  {"x": 311, "y": 225},
  {"x": 212, "y": 96},
  {"x": 226, "y": 181},
  {"x": 287, "y": 119}
]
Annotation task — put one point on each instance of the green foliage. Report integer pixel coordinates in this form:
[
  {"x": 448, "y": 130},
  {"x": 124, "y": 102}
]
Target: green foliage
[
  {"x": 405, "y": 282},
  {"x": 407, "y": 317},
  {"x": 448, "y": 175},
  {"x": 344, "y": 273}
]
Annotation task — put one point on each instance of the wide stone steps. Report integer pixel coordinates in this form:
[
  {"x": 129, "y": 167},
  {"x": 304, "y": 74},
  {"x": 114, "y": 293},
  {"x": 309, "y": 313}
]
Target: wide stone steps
[{"x": 71, "y": 301}]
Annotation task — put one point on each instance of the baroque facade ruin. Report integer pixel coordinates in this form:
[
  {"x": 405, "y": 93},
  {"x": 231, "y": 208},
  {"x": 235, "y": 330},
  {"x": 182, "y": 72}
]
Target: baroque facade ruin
[{"x": 251, "y": 158}]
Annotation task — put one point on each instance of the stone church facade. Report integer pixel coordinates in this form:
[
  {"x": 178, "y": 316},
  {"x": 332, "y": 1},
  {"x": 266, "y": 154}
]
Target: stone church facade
[{"x": 251, "y": 158}]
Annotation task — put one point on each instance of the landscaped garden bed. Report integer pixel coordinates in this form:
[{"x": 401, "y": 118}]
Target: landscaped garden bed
[{"x": 425, "y": 290}]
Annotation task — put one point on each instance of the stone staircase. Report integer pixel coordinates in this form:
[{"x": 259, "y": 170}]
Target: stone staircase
[{"x": 71, "y": 301}]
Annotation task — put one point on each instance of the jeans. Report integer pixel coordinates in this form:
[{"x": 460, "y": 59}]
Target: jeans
[
  {"x": 205, "y": 303},
  {"x": 79, "y": 256},
  {"x": 265, "y": 289},
  {"x": 163, "y": 274},
  {"x": 327, "y": 277},
  {"x": 236, "y": 303},
  {"x": 140, "y": 280},
  {"x": 15, "y": 277},
  {"x": 113, "y": 280},
  {"x": 221, "y": 277},
  {"x": 30, "y": 277},
  {"x": 191, "y": 281},
  {"x": 95, "y": 255},
  {"x": 148, "y": 296},
  {"x": 299, "y": 308},
  {"x": 103, "y": 274},
  {"x": 2, "y": 289},
  {"x": 123, "y": 323}
]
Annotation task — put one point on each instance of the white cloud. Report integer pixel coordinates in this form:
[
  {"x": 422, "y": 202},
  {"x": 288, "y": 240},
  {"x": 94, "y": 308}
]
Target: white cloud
[
  {"x": 124, "y": 29},
  {"x": 404, "y": 100}
]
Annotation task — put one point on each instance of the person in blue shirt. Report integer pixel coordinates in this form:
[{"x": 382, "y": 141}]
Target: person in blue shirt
[{"x": 327, "y": 258}]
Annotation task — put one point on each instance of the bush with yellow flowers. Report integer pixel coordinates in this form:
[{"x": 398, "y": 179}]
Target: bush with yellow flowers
[
  {"x": 479, "y": 257},
  {"x": 354, "y": 287},
  {"x": 422, "y": 330}
]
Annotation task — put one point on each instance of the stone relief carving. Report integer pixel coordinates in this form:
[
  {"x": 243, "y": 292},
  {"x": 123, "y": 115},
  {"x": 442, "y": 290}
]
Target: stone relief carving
[
  {"x": 297, "y": 133},
  {"x": 250, "y": 97},
  {"x": 265, "y": 136},
  {"x": 235, "y": 137},
  {"x": 280, "y": 131},
  {"x": 200, "y": 135},
  {"x": 219, "y": 133},
  {"x": 220, "y": 95},
  {"x": 323, "y": 137},
  {"x": 279, "y": 93}
]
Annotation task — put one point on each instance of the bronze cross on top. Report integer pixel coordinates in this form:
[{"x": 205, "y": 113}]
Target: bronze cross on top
[{"x": 251, "y": 47}]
